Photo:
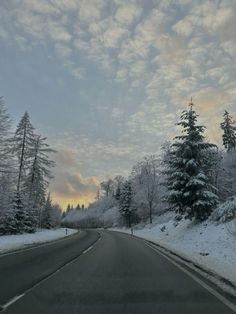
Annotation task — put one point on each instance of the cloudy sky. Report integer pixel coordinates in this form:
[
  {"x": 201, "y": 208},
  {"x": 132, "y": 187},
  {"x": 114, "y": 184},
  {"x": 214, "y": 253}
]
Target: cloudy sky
[{"x": 106, "y": 80}]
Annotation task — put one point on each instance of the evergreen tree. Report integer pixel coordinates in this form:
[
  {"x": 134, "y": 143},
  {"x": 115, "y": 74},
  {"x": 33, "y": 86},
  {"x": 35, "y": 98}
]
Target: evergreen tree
[
  {"x": 6, "y": 160},
  {"x": 118, "y": 193},
  {"x": 8, "y": 224},
  {"x": 36, "y": 182},
  {"x": 47, "y": 214},
  {"x": 68, "y": 209},
  {"x": 189, "y": 190},
  {"x": 229, "y": 132},
  {"x": 125, "y": 202},
  {"x": 5, "y": 125},
  {"x": 24, "y": 142},
  {"x": 18, "y": 215}
]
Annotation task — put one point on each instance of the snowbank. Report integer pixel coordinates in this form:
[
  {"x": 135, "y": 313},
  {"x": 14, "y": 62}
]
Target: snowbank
[
  {"x": 208, "y": 244},
  {"x": 12, "y": 242}
]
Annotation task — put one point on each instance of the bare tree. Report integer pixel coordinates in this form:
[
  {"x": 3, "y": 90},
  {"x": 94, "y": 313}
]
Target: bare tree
[
  {"x": 108, "y": 187},
  {"x": 146, "y": 180}
]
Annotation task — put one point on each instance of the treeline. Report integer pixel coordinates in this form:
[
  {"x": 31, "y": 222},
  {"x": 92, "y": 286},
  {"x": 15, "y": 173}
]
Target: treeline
[
  {"x": 191, "y": 177},
  {"x": 25, "y": 171}
]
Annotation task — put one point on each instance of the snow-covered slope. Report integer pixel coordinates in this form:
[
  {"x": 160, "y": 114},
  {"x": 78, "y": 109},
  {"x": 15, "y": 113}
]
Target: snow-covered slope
[
  {"x": 211, "y": 245},
  {"x": 12, "y": 242}
]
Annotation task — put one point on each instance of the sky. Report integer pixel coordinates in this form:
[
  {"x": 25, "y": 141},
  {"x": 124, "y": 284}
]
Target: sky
[{"x": 106, "y": 80}]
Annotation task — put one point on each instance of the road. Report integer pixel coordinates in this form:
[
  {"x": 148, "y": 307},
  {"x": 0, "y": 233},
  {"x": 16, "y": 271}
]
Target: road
[{"x": 100, "y": 273}]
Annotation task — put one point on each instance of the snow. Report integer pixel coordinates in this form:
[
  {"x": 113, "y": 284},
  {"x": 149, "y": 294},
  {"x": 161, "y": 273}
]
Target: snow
[
  {"x": 103, "y": 212},
  {"x": 13, "y": 242},
  {"x": 208, "y": 244},
  {"x": 226, "y": 211}
]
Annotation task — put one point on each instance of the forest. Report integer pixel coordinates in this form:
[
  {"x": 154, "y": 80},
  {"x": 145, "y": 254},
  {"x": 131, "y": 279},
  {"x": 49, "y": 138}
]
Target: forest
[
  {"x": 25, "y": 173},
  {"x": 191, "y": 177}
]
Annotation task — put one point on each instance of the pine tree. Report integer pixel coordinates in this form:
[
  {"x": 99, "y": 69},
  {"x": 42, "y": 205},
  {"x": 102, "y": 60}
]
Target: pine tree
[
  {"x": 47, "y": 214},
  {"x": 5, "y": 125},
  {"x": 19, "y": 216},
  {"x": 125, "y": 202},
  {"x": 24, "y": 141},
  {"x": 229, "y": 132},
  {"x": 6, "y": 160},
  {"x": 189, "y": 190},
  {"x": 36, "y": 182},
  {"x": 68, "y": 209},
  {"x": 8, "y": 224}
]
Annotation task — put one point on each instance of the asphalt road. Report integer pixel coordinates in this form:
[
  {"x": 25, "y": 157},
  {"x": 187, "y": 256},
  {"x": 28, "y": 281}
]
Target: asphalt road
[{"x": 117, "y": 274}]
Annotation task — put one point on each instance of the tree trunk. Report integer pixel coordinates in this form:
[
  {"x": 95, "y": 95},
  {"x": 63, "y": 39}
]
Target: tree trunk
[{"x": 150, "y": 213}]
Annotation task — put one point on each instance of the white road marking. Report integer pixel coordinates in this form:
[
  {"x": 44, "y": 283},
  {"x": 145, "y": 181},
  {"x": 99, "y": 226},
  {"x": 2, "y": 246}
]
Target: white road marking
[
  {"x": 88, "y": 249},
  {"x": 199, "y": 281},
  {"x": 16, "y": 298},
  {"x": 13, "y": 300}
]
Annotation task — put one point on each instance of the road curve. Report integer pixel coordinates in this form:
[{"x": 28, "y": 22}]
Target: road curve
[
  {"x": 23, "y": 269},
  {"x": 118, "y": 274}
]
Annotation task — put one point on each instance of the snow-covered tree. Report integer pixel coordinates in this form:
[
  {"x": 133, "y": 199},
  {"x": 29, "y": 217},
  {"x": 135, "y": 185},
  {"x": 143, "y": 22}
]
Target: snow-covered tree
[
  {"x": 68, "y": 208},
  {"x": 117, "y": 183},
  {"x": 18, "y": 215},
  {"x": 46, "y": 219},
  {"x": 108, "y": 187},
  {"x": 146, "y": 177},
  {"x": 189, "y": 190},
  {"x": 227, "y": 175},
  {"x": 6, "y": 160},
  {"x": 125, "y": 202},
  {"x": 229, "y": 132},
  {"x": 5, "y": 147},
  {"x": 51, "y": 214},
  {"x": 6, "y": 191},
  {"x": 24, "y": 144},
  {"x": 36, "y": 182}
]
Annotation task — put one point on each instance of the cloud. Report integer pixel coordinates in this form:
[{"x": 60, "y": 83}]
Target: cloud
[
  {"x": 149, "y": 56},
  {"x": 90, "y": 10},
  {"x": 127, "y": 13},
  {"x": 69, "y": 184},
  {"x": 74, "y": 188},
  {"x": 117, "y": 113},
  {"x": 66, "y": 158},
  {"x": 74, "y": 185}
]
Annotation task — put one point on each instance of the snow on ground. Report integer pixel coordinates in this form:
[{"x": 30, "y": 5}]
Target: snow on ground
[
  {"x": 211, "y": 245},
  {"x": 12, "y": 242}
]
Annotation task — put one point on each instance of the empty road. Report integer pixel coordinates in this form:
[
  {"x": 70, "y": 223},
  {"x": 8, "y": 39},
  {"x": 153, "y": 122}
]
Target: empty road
[{"x": 100, "y": 272}]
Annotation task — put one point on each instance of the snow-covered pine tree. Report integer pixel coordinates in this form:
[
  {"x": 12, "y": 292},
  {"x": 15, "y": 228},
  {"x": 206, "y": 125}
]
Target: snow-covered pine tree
[
  {"x": 6, "y": 160},
  {"x": 189, "y": 191},
  {"x": 36, "y": 181},
  {"x": 47, "y": 221},
  {"x": 125, "y": 202},
  {"x": 229, "y": 132},
  {"x": 68, "y": 209},
  {"x": 8, "y": 223},
  {"x": 24, "y": 143},
  {"x": 17, "y": 216},
  {"x": 5, "y": 126}
]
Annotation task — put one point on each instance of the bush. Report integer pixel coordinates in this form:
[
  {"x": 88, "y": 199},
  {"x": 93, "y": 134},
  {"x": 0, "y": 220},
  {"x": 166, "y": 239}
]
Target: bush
[{"x": 226, "y": 211}]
